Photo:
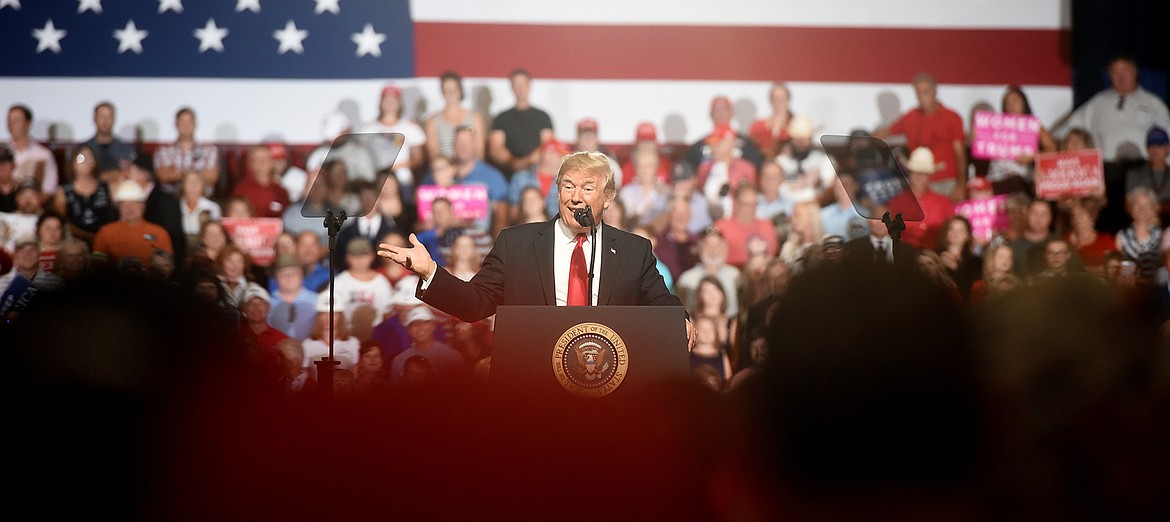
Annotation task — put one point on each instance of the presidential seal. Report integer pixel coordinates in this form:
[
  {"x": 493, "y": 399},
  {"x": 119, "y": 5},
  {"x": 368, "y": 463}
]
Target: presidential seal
[{"x": 590, "y": 360}]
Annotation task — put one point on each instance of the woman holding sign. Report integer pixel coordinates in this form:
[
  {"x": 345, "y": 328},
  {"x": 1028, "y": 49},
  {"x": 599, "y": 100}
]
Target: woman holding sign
[{"x": 1009, "y": 175}]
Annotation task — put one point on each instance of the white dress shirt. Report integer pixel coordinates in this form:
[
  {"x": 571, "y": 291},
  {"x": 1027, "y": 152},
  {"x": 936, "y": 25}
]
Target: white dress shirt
[{"x": 563, "y": 245}]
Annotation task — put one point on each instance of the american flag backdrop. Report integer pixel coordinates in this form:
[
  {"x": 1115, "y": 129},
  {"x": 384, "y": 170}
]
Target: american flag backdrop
[{"x": 257, "y": 69}]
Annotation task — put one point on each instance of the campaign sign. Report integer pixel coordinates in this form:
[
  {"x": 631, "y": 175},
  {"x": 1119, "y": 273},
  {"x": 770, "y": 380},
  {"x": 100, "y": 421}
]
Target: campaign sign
[
  {"x": 256, "y": 236},
  {"x": 1004, "y": 136},
  {"x": 469, "y": 203},
  {"x": 18, "y": 295},
  {"x": 988, "y": 216},
  {"x": 1069, "y": 174}
]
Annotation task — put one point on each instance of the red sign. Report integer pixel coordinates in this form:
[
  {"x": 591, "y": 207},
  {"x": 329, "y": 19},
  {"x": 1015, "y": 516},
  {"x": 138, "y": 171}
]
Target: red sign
[
  {"x": 1004, "y": 136},
  {"x": 256, "y": 236},
  {"x": 1069, "y": 174}
]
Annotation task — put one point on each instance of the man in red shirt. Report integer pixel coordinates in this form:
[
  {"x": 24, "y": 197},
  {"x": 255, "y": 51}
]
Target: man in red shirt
[
  {"x": 258, "y": 334},
  {"x": 261, "y": 187},
  {"x": 936, "y": 208},
  {"x": 746, "y": 234},
  {"x": 940, "y": 129}
]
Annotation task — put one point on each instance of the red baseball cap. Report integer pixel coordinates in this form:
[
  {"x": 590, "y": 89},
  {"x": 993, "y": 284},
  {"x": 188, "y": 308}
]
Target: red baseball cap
[
  {"x": 587, "y": 124},
  {"x": 278, "y": 151},
  {"x": 721, "y": 101},
  {"x": 720, "y": 133},
  {"x": 554, "y": 146},
  {"x": 646, "y": 132},
  {"x": 391, "y": 89},
  {"x": 979, "y": 183}
]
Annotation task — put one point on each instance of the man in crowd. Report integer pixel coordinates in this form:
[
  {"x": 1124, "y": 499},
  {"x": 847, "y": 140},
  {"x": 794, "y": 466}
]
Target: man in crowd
[
  {"x": 32, "y": 160},
  {"x": 938, "y": 128},
  {"x": 518, "y": 132},
  {"x": 112, "y": 153},
  {"x": 131, "y": 236},
  {"x": 721, "y": 113}
]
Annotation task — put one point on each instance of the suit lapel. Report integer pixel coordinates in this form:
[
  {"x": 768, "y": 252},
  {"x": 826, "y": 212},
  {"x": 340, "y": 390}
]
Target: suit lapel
[
  {"x": 609, "y": 271},
  {"x": 543, "y": 253}
]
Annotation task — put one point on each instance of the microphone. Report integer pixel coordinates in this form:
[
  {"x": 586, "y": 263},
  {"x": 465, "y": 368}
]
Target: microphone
[{"x": 584, "y": 216}]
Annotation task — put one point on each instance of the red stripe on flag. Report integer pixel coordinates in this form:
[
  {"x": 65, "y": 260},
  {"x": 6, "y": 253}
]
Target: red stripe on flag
[{"x": 810, "y": 54}]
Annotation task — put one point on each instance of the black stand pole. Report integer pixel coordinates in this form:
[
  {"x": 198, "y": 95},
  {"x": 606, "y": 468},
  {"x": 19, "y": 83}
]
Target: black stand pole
[
  {"x": 592, "y": 260},
  {"x": 326, "y": 365}
]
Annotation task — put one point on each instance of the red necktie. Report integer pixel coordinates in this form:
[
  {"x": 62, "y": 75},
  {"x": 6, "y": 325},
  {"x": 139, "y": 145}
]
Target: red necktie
[{"x": 578, "y": 276}]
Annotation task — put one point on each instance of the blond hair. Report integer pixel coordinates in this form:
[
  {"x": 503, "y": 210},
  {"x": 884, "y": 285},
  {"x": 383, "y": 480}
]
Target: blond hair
[{"x": 594, "y": 162}]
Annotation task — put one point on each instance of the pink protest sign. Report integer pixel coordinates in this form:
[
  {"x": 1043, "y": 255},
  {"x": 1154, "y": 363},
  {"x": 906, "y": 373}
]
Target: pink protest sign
[
  {"x": 256, "y": 236},
  {"x": 1004, "y": 136},
  {"x": 469, "y": 203},
  {"x": 988, "y": 216},
  {"x": 1069, "y": 174}
]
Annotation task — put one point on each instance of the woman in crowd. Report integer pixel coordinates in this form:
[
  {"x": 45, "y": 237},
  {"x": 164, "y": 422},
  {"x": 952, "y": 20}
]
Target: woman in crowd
[
  {"x": 532, "y": 208},
  {"x": 233, "y": 268},
  {"x": 998, "y": 262},
  {"x": 86, "y": 201},
  {"x": 371, "y": 374},
  {"x": 1015, "y": 175},
  {"x": 213, "y": 238},
  {"x": 802, "y": 248},
  {"x": 1090, "y": 244},
  {"x": 647, "y": 197},
  {"x": 769, "y": 134},
  {"x": 440, "y": 128},
  {"x": 710, "y": 363},
  {"x": 711, "y": 301},
  {"x": 238, "y": 207},
  {"x": 931, "y": 265},
  {"x": 393, "y": 205},
  {"x": 50, "y": 234},
  {"x": 197, "y": 209},
  {"x": 957, "y": 252},
  {"x": 465, "y": 260},
  {"x": 1141, "y": 240}
]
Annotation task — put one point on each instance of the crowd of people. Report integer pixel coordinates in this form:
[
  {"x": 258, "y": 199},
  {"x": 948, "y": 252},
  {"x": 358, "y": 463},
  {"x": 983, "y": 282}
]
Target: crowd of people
[{"x": 792, "y": 292}]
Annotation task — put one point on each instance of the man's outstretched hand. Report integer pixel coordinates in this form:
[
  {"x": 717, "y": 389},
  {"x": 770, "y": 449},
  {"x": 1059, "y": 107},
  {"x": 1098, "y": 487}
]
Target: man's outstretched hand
[{"x": 414, "y": 258}]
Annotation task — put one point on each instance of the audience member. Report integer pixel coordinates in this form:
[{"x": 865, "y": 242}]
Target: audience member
[
  {"x": 839, "y": 217},
  {"x": 1009, "y": 175},
  {"x": 645, "y": 232},
  {"x": 260, "y": 338},
  {"x": 8, "y": 181},
  {"x": 879, "y": 247},
  {"x": 588, "y": 141},
  {"x": 677, "y": 247},
  {"x": 50, "y": 234},
  {"x": 746, "y": 234},
  {"x": 721, "y": 173},
  {"x": 807, "y": 172},
  {"x": 1028, "y": 246},
  {"x": 931, "y": 265},
  {"x": 470, "y": 168},
  {"x": 440, "y": 127},
  {"x": 340, "y": 143},
  {"x": 542, "y": 175},
  {"x": 132, "y": 236},
  {"x": 1090, "y": 244},
  {"x": 73, "y": 260},
  {"x": 446, "y": 364},
  {"x": 292, "y": 307},
  {"x": 31, "y": 160},
  {"x": 162, "y": 208},
  {"x": 361, "y": 286},
  {"x": 187, "y": 155},
  {"x": 400, "y": 211},
  {"x": 1141, "y": 241},
  {"x": 518, "y": 132},
  {"x": 802, "y": 247},
  {"x": 646, "y": 197},
  {"x": 26, "y": 263},
  {"x": 370, "y": 226},
  {"x": 371, "y": 374},
  {"x": 196, "y": 208},
  {"x": 213, "y": 238},
  {"x": 85, "y": 199},
  {"x": 956, "y": 250},
  {"x": 261, "y": 186},
  {"x": 998, "y": 261},
  {"x": 532, "y": 207},
  {"x": 234, "y": 268},
  {"x": 759, "y": 314},
  {"x": 1118, "y": 118},
  {"x": 940, "y": 129},
  {"x": 404, "y": 160},
  {"x": 709, "y": 360},
  {"x": 712, "y": 262},
  {"x": 646, "y": 139},
  {"x": 238, "y": 207},
  {"x": 345, "y": 346},
  {"x": 112, "y": 153},
  {"x": 936, "y": 207},
  {"x": 465, "y": 260},
  {"x": 1155, "y": 172},
  {"x": 743, "y": 147},
  {"x": 770, "y": 134},
  {"x": 293, "y": 178}
]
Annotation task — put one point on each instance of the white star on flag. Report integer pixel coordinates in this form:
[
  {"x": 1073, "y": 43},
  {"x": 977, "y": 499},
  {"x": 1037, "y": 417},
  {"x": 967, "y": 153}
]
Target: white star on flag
[
  {"x": 130, "y": 38},
  {"x": 210, "y": 36},
  {"x": 368, "y": 42},
  {"x": 48, "y": 37},
  {"x": 173, "y": 5},
  {"x": 250, "y": 5},
  {"x": 14, "y": 4},
  {"x": 89, "y": 5},
  {"x": 327, "y": 5},
  {"x": 291, "y": 38}
]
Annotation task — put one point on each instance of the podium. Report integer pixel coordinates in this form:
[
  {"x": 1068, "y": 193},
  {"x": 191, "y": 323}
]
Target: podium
[{"x": 588, "y": 351}]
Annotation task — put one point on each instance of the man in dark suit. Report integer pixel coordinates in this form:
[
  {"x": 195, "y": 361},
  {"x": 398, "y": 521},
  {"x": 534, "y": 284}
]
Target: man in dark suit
[
  {"x": 373, "y": 226},
  {"x": 879, "y": 247},
  {"x": 532, "y": 264}
]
